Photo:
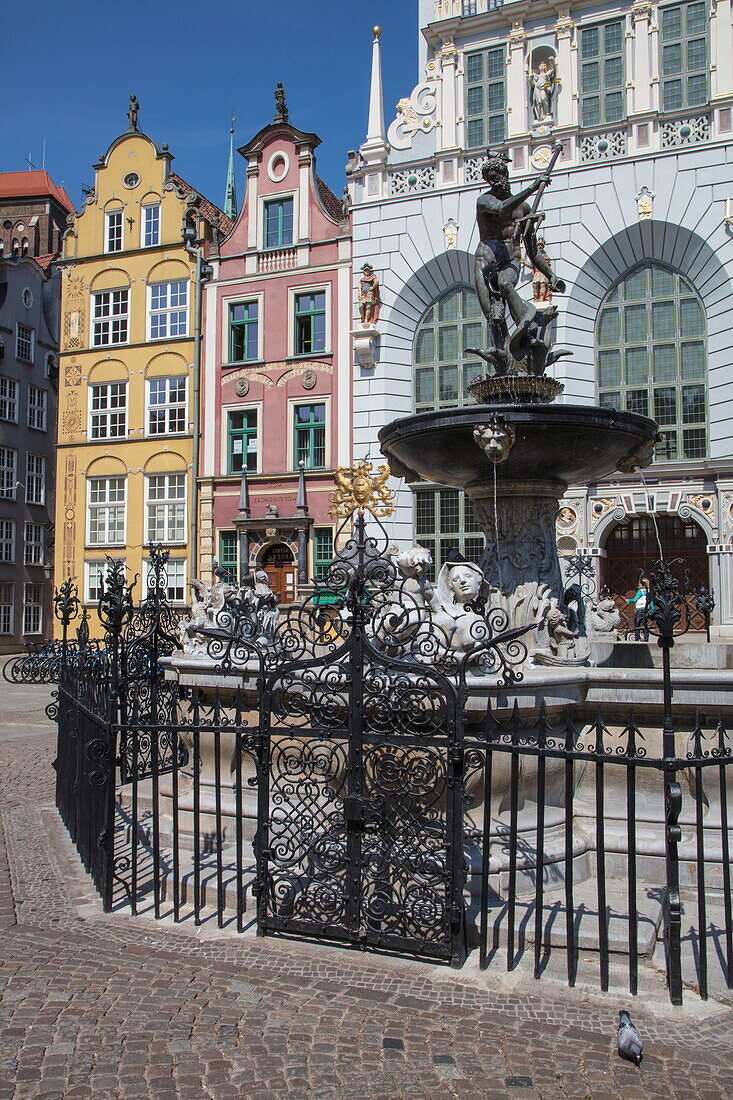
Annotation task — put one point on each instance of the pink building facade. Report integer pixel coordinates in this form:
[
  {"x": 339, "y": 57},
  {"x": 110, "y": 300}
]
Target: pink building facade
[{"x": 276, "y": 378}]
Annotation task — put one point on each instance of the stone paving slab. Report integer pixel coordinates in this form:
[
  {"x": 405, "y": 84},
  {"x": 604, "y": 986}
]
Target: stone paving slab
[{"x": 115, "y": 1006}]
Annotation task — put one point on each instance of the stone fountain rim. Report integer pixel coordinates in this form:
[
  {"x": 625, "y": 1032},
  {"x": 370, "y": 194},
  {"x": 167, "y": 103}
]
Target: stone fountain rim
[{"x": 470, "y": 415}]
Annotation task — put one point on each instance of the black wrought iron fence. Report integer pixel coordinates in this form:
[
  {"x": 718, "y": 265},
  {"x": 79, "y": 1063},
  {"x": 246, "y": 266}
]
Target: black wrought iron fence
[{"x": 346, "y": 784}]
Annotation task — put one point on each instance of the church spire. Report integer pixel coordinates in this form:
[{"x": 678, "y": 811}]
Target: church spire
[
  {"x": 230, "y": 202},
  {"x": 375, "y": 146}
]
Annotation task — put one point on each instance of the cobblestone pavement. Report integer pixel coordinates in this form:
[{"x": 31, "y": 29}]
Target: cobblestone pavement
[{"x": 120, "y": 1007}]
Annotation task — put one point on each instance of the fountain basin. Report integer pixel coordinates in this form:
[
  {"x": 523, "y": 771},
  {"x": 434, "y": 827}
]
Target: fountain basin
[{"x": 564, "y": 444}]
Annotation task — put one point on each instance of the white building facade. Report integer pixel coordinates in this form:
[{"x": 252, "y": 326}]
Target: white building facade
[{"x": 639, "y": 224}]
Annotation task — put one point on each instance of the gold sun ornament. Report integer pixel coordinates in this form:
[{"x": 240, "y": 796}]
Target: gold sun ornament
[{"x": 359, "y": 490}]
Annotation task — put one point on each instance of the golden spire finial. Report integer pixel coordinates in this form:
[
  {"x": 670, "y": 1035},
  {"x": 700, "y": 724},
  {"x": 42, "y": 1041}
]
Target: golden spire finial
[
  {"x": 359, "y": 490},
  {"x": 376, "y": 31}
]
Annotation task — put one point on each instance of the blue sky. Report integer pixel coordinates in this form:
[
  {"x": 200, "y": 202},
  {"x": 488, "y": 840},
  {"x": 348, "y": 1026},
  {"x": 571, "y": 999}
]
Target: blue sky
[{"x": 74, "y": 65}]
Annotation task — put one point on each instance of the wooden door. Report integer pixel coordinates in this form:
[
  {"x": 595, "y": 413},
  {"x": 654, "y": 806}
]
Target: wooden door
[{"x": 282, "y": 581}]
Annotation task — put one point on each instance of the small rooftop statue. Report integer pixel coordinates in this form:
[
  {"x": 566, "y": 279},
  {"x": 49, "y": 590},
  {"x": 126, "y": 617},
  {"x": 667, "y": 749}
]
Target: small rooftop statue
[
  {"x": 281, "y": 107},
  {"x": 132, "y": 113},
  {"x": 505, "y": 221}
]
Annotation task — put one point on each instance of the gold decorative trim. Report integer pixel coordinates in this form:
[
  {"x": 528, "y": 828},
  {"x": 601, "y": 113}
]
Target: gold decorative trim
[{"x": 359, "y": 490}]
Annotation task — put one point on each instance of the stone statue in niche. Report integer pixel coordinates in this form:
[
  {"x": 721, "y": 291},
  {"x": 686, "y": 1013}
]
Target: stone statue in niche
[
  {"x": 369, "y": 297},
  {"x": 541, "y": 282},
  {"x": 542, "y": 90}
]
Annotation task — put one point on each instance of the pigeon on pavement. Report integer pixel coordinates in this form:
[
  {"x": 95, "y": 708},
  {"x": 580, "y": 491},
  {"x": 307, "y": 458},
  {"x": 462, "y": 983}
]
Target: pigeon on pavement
[{"x": 630, "y": 1045}]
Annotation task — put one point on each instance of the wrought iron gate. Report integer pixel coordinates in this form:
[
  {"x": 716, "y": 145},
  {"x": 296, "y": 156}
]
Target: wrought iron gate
[{"x": 360, "y": 835}]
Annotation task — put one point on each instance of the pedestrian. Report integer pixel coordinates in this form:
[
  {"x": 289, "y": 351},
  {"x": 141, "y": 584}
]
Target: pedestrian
[{"x": 642, "y": 607}]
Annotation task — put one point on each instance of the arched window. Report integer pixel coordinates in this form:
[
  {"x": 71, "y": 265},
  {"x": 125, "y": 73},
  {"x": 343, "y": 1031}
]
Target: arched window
[
  {"x": 443, "y": 371},
  {"x": 444, "y": 518},
  {"x": 652, "y": 357}
]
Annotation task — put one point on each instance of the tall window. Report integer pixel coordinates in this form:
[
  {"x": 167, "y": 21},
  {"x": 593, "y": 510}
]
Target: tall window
[
  {"x": 485, "y": 97},
  {"x": 110, "y": 311},
  {"x": 602, "y": 73},
  {"x": 243, "y": 331},
  {"x": 684, "y": 61},
  {"x": 37, "y": 408},
  {"x": 151, "y": 225},
  {"x": 106, "y": 511},
  {"x": 166, "y": 406},
  {"x": 168, "y": 309},
  {"x": 8, "y": 473},
  {"x": 34, "y": 551},
  {"x": 108, "y": 411},
  {"x": 113, "y": 231},
  {"x": 9, "y": 399},
  {"x": 652, "y": 357},
  {"x": 228, "y": 555},
  {"x": 278, "y": 223},
  {"x": 6, "y": 608},
  {"x": 310, "y": 322},
  {"x": 310, "y": 436},
  {"x": 94, "y": 574},
  {"x": 32, "y": 608},
  {"x": 443, "y": 370},
  {"x": 242, "y": 441},
  {"x": 444, "y": 521},
  {"x": 166, "y": 510},
  {"x": 322, "y": 550},
  {"x": 24, "y": 344},
  {"x": 174, "y": 576},
  {"x": 35, "y": 479},
  {"x": 7, "y": 540}
]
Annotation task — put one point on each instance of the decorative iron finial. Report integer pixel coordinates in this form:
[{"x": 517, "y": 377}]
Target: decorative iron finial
[
  {"x": 359, "y": 490},
  {"x": 281, "y": 107},
  {"x": 133, "y": 113}
]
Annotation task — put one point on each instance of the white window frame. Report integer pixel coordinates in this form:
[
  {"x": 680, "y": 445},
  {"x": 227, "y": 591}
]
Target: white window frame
[
  {"x": 98, "y": 567},
  {"x": 9, "y": 400},
  {"x": 103, "y": 415},
  {"x": 28, "y": 606},
  {"x": 113, "y": 240},
  {"x": 7, "y": 607},
  {"x": 149, "y": 206},
  {"x": 166, "y": 312},
  {"x": 168, "y": 407},
  {"x": 95, "y": 508},
  {"x": 168, "y": 504},
  {"x": 293, "y": 292},
  {"x": 102, "y": 324},
  {"x": 309, "y": 399},
  {"x": 7, "y": 542},
  {"x": 34, "y": 540},
  {"x": 37, "y": 412},
  {"x": 31, "y": 339},
  {"x": 241, "y": 299},
  {"x": 8, "y": 473},
  {"x": 39, "y": 478},
  {"x": 175, "y": 599}
]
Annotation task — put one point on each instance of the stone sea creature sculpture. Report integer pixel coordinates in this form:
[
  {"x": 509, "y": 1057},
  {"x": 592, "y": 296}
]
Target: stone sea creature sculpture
[{"x": 630, "y": 1045}]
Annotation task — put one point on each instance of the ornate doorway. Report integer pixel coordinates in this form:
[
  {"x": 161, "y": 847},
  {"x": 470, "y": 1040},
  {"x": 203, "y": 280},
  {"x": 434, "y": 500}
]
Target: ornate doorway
[
  {"x": 633, "y": 546},
  {"x": 279, "y": 564}
]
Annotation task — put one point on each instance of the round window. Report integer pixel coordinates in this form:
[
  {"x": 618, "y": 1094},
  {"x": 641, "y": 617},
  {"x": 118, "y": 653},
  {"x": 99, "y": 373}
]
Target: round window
[{"x": 131, "y": 180}]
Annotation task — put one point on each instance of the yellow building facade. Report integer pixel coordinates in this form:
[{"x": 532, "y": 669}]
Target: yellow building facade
[{"x": 128, "y": 379}]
